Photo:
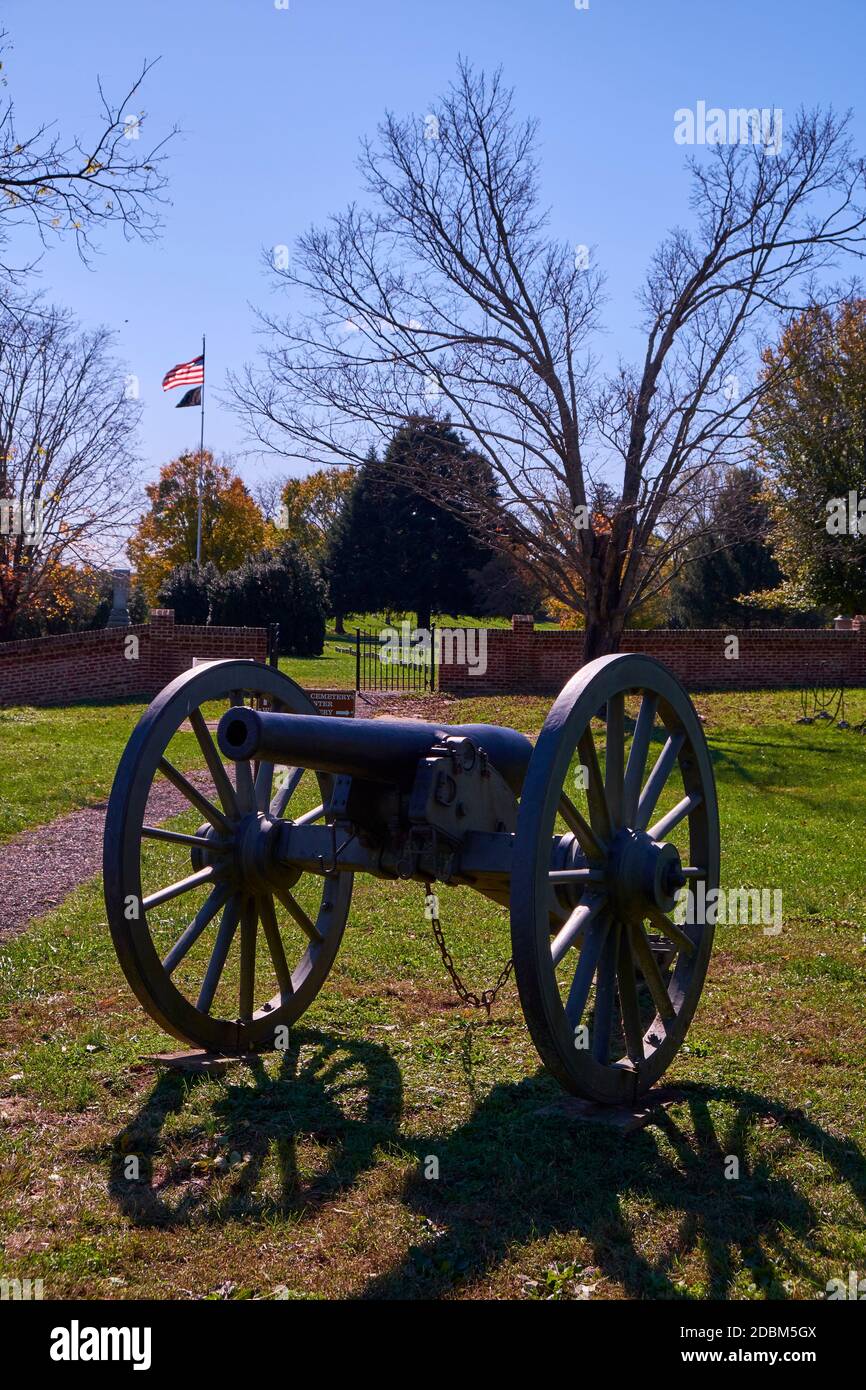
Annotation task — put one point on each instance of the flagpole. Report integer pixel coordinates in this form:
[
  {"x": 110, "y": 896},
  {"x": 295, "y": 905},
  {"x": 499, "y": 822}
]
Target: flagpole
[{"x": 200, "y": 461}]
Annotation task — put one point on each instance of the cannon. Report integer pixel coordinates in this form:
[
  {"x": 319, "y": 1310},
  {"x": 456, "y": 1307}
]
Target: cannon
[{"x": 239, "y": 817}]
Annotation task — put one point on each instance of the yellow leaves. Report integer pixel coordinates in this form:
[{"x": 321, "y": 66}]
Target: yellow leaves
[
  {"x": 564, "y": 614},
  {"x": 310, "y": 506},
  {"x": 232, "y": 525}
]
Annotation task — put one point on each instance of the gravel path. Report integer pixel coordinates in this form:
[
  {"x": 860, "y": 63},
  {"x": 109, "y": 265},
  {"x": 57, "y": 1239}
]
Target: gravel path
[{"x": 39, "y": 868}]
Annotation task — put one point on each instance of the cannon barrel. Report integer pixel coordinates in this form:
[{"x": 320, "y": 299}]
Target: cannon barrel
[{"x": 379, "y": 750}]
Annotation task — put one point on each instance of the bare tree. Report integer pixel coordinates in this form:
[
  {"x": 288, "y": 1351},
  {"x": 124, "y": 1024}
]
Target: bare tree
[
  {"x": 447, "y": 297},
  {"x": 67, "y": 460},
  {"x": 77, "y": 185}
]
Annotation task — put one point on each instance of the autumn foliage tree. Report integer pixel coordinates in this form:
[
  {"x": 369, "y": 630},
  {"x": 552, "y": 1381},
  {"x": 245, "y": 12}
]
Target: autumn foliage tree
[
  {"x": 810, "y": 433},
  {"x": 232, "y": 525},
  {"x": 306, "y": 509}
]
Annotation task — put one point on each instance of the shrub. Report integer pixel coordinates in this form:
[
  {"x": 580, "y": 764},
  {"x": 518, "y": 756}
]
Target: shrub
[
  {"x": 188, "y": 590},
  {"x": 282, "y": 586}
]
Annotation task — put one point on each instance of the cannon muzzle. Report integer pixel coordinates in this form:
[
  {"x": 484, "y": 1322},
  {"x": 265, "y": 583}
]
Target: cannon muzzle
[{"x": 381, "y": 750}]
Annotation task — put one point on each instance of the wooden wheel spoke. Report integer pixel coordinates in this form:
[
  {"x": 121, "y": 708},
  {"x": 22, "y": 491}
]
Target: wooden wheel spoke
[
  {"x": 628, "y": 1001},
  {"x": 571, "y": 929},
  {"x": 175, "y": 837},
  {"x": 225, "y": 935},
  {"x": 264, "y": 786},
  {"x": 286, "y": 791},
  {"x": 590, "y": 953},
  {"x": 214, "y": 958},
  {"x": 271, "y": 929},
  {"x": 206, "y": 913},
  {"x": 293, "y": 907},
  {"x": 614, "y": 759},
  {"x": 605, "y": 996},
  {"x": 607, "y": 987},
  {"x": 638, "y": 755},
  {"x": 174, "y": 890},
  {"x": 246, "y": 994},
  {"x": 246, "y": 786},
  {"x": 194, "y": 796},
  {"x": 599, "y": 811},
  {"x": 669, "y": 822},
  {"x": 650, "y": 970},
  {"x": 657, "y": 779},
  {"x": 663, "y": 924},
  {"x": 224, "y": 788},
  {"x": 575, "y": 876},
  {"x": 580, "y": 828}
]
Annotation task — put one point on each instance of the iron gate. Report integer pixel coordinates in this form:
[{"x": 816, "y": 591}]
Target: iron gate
[{"x": 411, "y": 667}]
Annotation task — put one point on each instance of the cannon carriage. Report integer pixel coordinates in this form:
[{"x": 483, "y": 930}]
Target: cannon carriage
[{"x": 227, "y": 929}]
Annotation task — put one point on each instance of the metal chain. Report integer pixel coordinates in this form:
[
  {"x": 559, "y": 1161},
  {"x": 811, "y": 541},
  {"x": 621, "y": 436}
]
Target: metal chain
[{"x": 487, "y": 998}]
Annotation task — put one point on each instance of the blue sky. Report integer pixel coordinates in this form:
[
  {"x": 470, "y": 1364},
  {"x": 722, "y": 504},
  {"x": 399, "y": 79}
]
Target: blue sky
[{"x": 272, "y": 103}]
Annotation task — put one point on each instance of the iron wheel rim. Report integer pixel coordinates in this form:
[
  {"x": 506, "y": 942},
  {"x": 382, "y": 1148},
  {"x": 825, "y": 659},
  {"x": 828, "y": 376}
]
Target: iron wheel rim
[
  {"x": 122, "y": 863},
  {"x": 622, "y": 1080}
]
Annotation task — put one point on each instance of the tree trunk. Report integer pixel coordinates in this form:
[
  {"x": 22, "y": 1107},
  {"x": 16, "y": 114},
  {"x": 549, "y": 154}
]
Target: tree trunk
[
  {"x": 600, "y": 639},
  {"x": 606, "y": 612},
  {"x": 339, "y": 628},
  {"x": 422, "y": 618}
]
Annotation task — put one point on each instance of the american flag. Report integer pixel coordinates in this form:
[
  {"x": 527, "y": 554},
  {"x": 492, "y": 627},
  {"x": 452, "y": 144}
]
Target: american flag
[{"x": 185, "y": 374}]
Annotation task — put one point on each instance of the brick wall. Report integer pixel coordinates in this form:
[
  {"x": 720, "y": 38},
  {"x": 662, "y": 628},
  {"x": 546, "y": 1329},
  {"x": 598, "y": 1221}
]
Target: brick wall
[
  {"x": 95, "y": 666},
  {"x": 521, "y": 659}
]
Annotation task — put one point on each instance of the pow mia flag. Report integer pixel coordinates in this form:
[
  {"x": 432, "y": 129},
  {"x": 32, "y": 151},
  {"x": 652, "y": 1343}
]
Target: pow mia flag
[{"x": 191, "y": 397}]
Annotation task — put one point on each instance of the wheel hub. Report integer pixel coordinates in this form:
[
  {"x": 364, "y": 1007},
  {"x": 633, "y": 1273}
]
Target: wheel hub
[
  {"x": 249, "y": 856},
  {"x": 202, "y": 858},
  {"x": 255, "y": 846},
  {"x": 642, "y": 874}
]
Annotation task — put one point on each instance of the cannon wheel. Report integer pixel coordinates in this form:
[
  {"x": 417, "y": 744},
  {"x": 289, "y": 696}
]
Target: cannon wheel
[
  {"x": 607, "y": 1003},
  {"x": 223, "y": 888}
]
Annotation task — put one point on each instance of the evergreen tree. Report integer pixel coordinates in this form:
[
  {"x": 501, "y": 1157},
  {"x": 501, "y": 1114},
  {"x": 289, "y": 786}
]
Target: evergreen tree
[
  {"x": 393, "y": 546},
  {"x": 282, "y": 586},
  {"x": 722, "y": 567}
]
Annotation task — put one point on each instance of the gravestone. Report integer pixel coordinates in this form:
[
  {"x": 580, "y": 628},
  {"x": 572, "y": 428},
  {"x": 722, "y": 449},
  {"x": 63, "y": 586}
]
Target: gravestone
[{"x": 119, "y": 615}]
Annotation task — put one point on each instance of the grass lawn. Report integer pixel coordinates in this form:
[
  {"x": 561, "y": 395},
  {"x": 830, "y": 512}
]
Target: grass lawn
[
  {"x": 312, "y": 1176},
  {"x": 57, "y": 759},
  {"x": 62, "y": 757}
]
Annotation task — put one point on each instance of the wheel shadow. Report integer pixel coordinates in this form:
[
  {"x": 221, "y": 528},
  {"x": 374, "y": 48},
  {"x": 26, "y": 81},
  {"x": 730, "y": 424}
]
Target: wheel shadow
[
  {"x": 345, "y": 1095},
  {"x": 521, "y": 1169}
]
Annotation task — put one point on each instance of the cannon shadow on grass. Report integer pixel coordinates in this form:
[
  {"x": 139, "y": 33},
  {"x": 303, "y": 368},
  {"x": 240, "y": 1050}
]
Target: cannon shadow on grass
[{"x": 519, "y": 1170}]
